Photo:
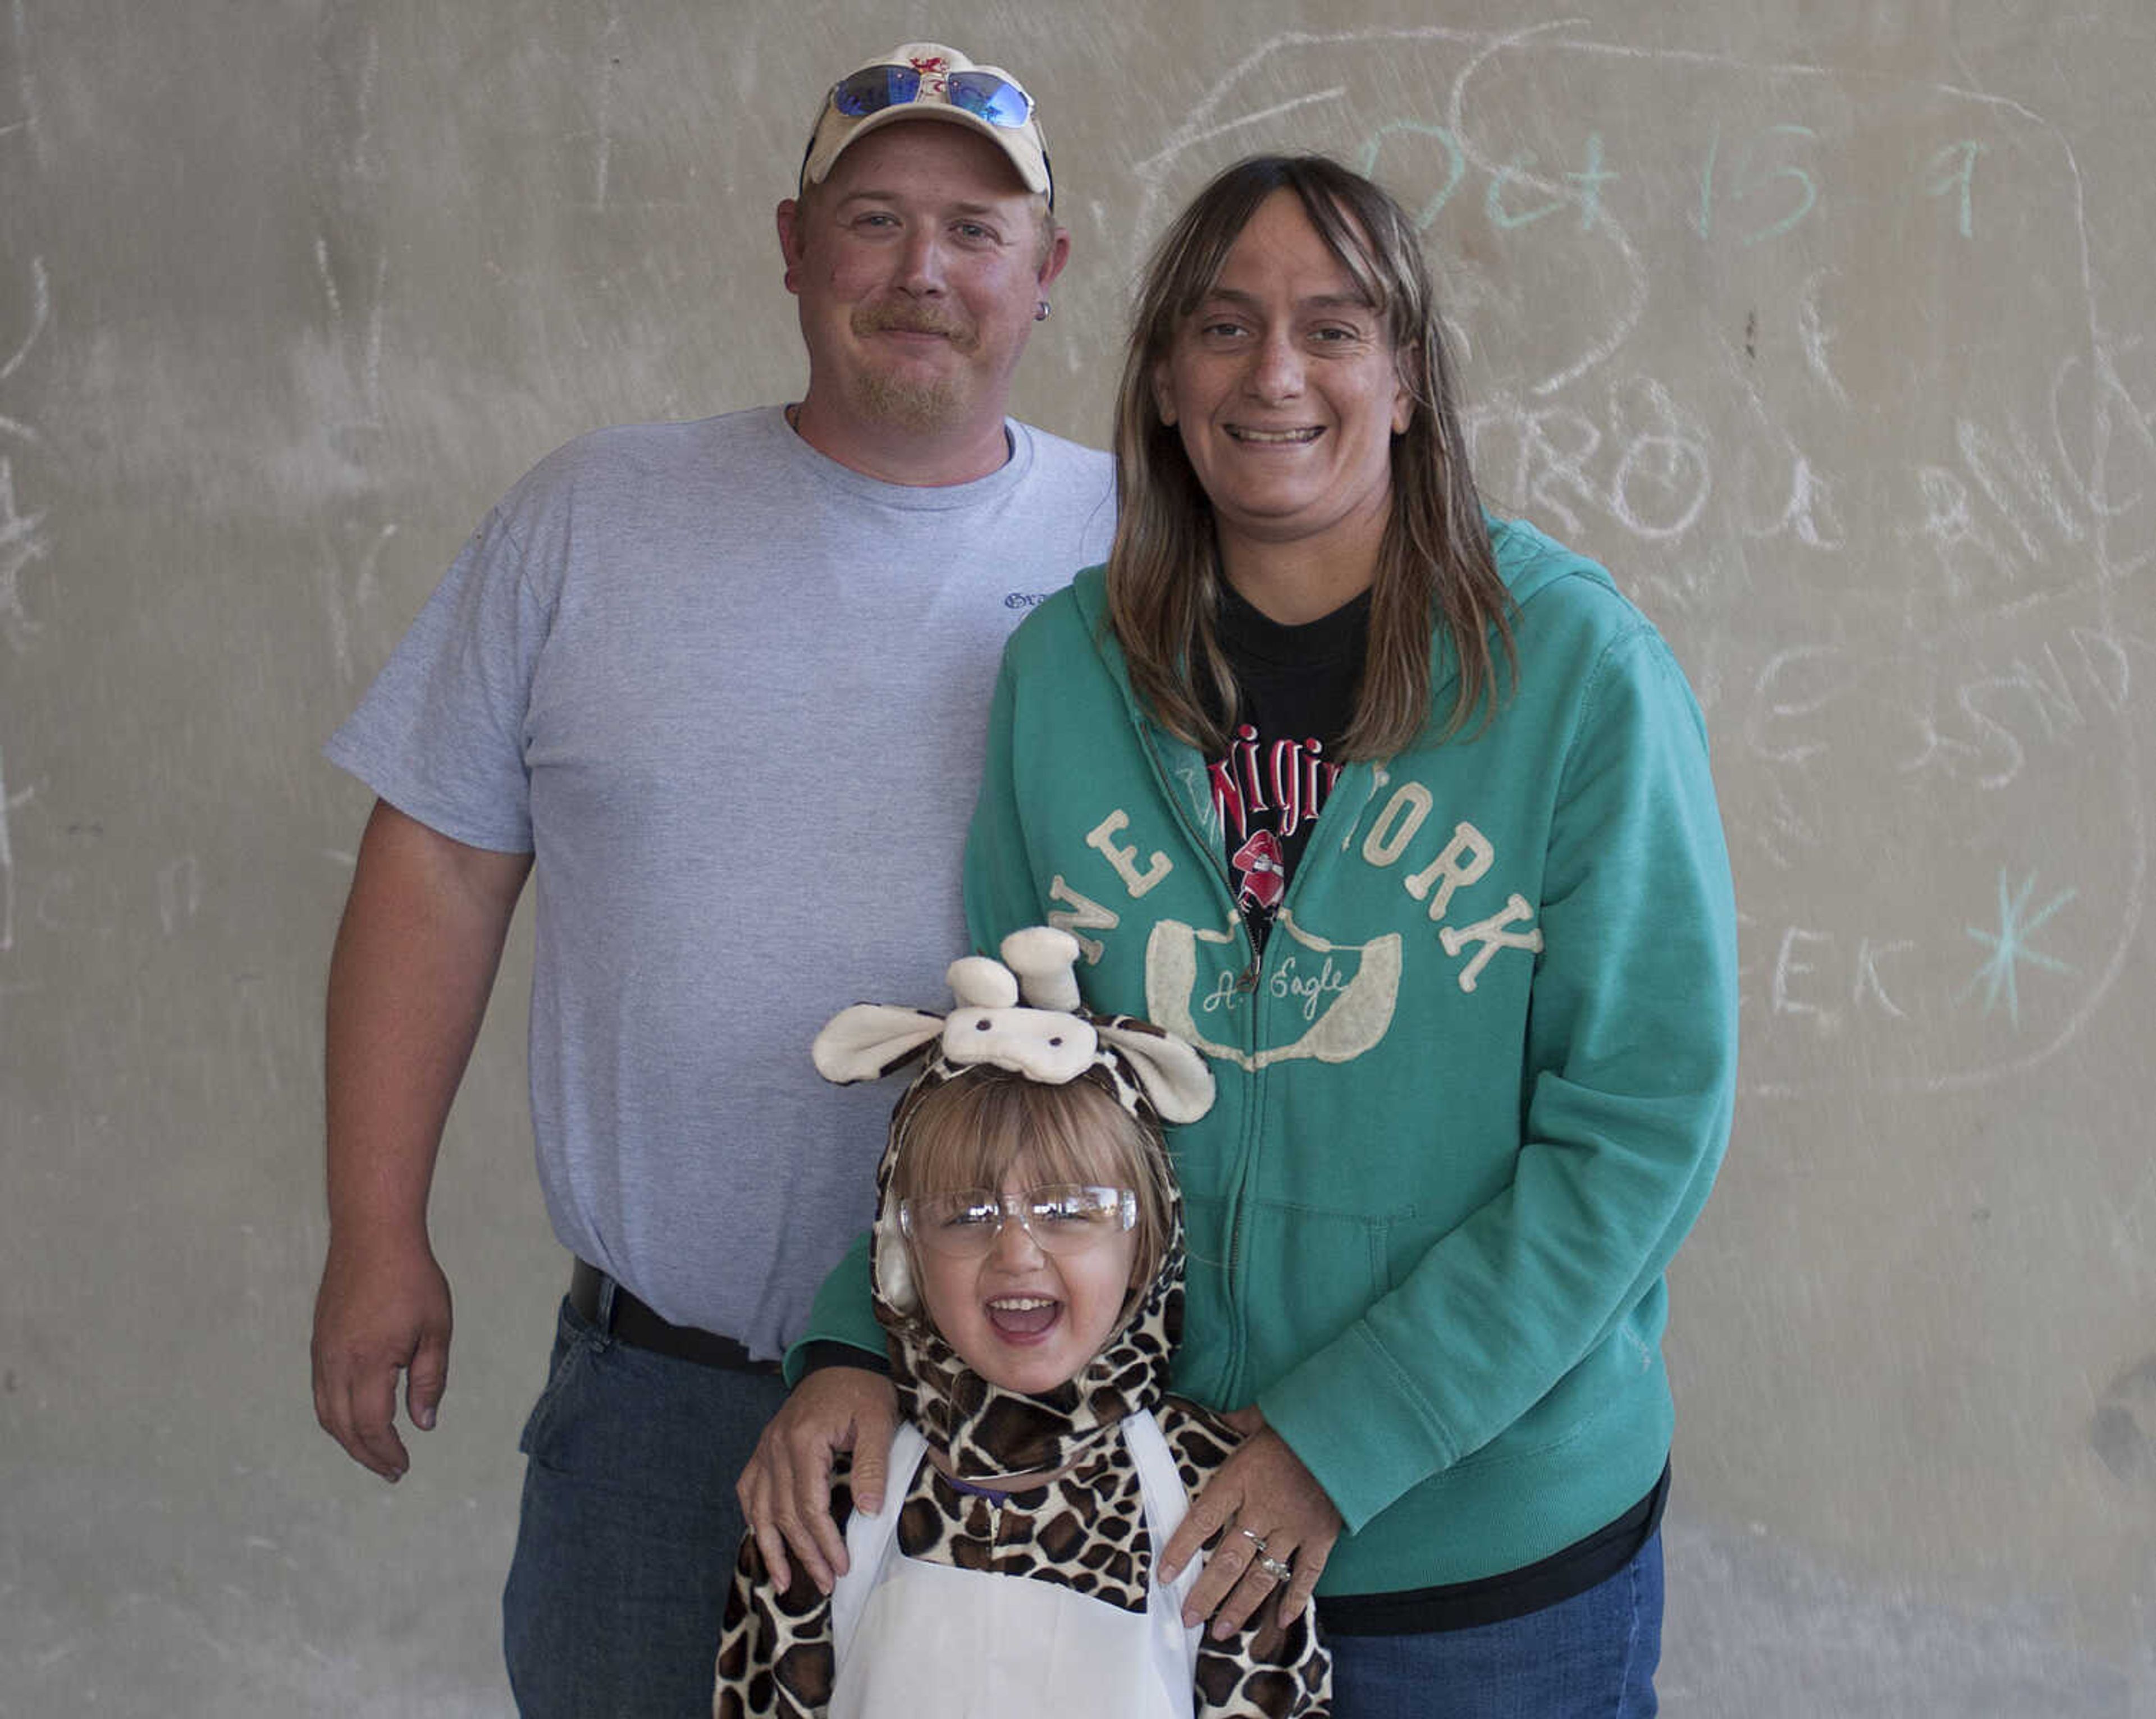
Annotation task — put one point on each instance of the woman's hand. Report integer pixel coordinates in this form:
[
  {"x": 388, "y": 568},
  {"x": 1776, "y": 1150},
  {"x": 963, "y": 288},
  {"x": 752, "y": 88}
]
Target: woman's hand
[
  {"x": 1267, "y": 1508},
  {"x": 785, "y": 1491}
]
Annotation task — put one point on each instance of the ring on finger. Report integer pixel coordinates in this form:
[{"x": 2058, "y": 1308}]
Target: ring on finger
[
  {"x": 1256, "y": 1540},
  {"x": 1274, "y": 1567}
]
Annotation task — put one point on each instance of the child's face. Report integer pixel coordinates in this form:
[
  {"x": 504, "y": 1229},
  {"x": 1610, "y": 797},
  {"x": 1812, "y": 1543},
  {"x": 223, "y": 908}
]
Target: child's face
[{"x": 1020, "y": 1317}]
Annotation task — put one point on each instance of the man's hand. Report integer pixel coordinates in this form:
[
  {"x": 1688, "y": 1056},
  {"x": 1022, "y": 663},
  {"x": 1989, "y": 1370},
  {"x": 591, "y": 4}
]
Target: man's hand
[
  {"x": 1266, "y": 1505},
  {"x": 785, "y": 1491},
  {"x": 378, "y": 1313}
]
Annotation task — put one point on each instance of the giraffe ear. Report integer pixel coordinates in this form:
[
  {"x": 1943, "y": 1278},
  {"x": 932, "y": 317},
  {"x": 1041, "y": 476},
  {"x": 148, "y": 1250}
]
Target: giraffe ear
[
  {"x": 870, "y": 1039},
  {"x": 1176, "y": 1078}
]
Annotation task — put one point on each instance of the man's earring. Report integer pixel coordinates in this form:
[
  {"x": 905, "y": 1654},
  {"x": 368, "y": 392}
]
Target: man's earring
[{"x": 1041, "y": 311}]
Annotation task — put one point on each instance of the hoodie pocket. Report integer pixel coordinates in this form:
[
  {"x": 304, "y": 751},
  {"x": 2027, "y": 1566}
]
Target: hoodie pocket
[{"x": 1315, "y": 1272}]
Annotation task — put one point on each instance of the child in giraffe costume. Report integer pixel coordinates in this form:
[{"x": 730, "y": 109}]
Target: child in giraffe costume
[{"x": 1027, "y": 1257}]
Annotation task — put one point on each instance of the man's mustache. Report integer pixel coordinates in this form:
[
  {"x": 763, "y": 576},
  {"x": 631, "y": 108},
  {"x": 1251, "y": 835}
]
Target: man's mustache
[{"x": 912, "y": 319}]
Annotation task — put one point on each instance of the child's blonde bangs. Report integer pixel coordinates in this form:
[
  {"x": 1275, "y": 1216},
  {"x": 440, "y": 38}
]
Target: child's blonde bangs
[{"x": 970, "y": 1131}]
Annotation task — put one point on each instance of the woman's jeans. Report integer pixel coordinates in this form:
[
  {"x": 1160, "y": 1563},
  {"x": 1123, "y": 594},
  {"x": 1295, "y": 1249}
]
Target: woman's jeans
[{"x": 1589, "y": 1657}]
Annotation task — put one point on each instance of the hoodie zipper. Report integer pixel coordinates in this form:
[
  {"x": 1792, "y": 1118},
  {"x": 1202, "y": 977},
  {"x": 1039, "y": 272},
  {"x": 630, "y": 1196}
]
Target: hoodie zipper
[
  {"x": 1214, "y": 864},
  {"x": 1249, "y": 983}
]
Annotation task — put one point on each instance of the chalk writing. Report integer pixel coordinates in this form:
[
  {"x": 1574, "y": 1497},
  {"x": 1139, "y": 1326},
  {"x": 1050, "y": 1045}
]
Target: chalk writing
[
  {"x": 6, "y": 864},
  {"x": 1809, "y": 514},
  {"x": 1814, "y": 337},
  {"x": 1824, "y": 979},
  {"x": 343, "y": 369},
  {"x": 1980, "y": 731},
  {"x": 610, "y": 36},
  {"x": 25, "y": 126},
  {"x": 1645, "y": 461},
  {"x": 1764, "y": 186},
  {"x": 2022, "y": 496},
  {"x": 1816, "y": 970},
  {"x": 40, "y": 313},
  {"x": 1646, "y": 466},
  {"x": 362, "y": 345},
  {"x": 1755, "y": 181},
  {"x": 23, "y": 541},
  {"x": 2121, "y": 449},
  {"x": 1585, "y": 189},
  {"x": 1952, "y": 172},
  {"x": 2011, "y": 947},
  {"x": 1975, "y": 725},
  {"x": 347, "y": 572},
  {"x": 1456, "y": 163}
]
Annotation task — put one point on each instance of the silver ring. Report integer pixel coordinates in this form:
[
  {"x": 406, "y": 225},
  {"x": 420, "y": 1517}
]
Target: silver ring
[
  {"x": 1274, "y": 1567},
  {"x": 1256, "y": 1540}
]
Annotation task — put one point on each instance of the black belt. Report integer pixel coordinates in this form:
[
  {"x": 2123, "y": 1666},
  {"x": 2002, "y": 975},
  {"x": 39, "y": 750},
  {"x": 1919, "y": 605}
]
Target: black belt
[{"x": 633, "y": 1323}]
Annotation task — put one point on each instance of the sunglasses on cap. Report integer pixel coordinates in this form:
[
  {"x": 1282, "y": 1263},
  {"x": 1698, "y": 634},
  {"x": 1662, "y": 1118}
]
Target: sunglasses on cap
[{"x": 986, "y": 95}]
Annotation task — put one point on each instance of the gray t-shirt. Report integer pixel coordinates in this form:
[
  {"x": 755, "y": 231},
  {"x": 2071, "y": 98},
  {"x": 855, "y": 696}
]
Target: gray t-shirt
[{"x": 731, "y": 695}]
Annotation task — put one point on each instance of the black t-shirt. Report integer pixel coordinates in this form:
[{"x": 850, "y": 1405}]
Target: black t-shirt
[{"x": 1296, "y": 688}]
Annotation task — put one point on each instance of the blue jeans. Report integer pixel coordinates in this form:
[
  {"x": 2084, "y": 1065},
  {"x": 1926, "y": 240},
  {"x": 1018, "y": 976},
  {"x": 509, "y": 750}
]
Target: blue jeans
[
  {"x": 626, "y": 1545},
  {"x": 1589, "y": 1657}
]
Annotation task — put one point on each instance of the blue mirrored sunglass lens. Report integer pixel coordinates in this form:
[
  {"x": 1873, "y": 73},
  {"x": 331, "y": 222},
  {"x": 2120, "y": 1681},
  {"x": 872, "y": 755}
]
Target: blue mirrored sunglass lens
[
  {"x": 999, "y": 102},
  {"x": 875, "y": 88}
]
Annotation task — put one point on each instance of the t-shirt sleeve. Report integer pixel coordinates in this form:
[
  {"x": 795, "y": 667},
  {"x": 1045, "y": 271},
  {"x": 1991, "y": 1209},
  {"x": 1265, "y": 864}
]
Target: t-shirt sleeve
[
  {"x": 999, "y": 892},
  {"x": 441, "y": 733}
]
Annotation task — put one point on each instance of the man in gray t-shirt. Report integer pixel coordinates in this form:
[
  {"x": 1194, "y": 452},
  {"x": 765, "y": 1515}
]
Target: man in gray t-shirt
[{"x": 722, "y": 687}]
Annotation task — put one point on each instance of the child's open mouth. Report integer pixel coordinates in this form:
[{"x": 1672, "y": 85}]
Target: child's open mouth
[{"x": 1023, "y": 1317}]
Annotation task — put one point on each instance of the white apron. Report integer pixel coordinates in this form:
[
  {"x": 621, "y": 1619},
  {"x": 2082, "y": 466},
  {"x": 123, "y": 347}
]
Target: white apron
[{"x": 913, "y": 1639}]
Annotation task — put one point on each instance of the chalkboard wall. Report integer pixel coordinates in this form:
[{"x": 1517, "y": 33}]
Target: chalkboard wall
[{"x": 1824, "y": 325}]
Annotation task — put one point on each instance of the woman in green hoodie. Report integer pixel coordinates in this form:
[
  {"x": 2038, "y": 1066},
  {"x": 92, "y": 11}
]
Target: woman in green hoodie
[{"x": 1403, "y": 815}]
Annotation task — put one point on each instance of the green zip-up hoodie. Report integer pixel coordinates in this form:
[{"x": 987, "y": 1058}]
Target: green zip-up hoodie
[{"x": 1470, "y": 1101}]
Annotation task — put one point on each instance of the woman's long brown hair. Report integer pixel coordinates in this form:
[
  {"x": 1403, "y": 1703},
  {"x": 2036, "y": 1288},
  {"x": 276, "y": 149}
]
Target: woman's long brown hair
[{"x": 1434, "y": 571}]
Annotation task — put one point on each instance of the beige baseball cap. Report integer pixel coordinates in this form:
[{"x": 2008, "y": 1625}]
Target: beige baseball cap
[{"x": 926, "y": 80}]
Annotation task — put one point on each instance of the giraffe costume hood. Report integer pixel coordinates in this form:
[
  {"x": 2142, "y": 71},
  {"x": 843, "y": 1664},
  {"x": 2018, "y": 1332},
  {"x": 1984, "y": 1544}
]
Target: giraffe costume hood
[{"x": 1021, "y": 1014}]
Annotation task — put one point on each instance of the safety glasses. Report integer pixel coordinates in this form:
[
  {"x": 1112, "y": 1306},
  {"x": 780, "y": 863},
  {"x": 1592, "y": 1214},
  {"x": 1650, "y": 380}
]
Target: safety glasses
[
  {"x": 987, "y": 95},
  {"x": 1062, "y": 1218}
]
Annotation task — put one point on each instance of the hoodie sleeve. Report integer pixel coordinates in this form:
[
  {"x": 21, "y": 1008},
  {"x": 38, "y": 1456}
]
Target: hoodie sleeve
[
  {"x": 843, "y": 1312},
  {"x": 1631, "y": 1044}
]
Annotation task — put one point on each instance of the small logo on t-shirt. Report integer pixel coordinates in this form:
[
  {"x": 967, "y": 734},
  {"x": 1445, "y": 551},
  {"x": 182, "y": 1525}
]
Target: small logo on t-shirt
[
  {"x": 1026, "y": 599},
  {"x": 1260, "y": 873}
]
